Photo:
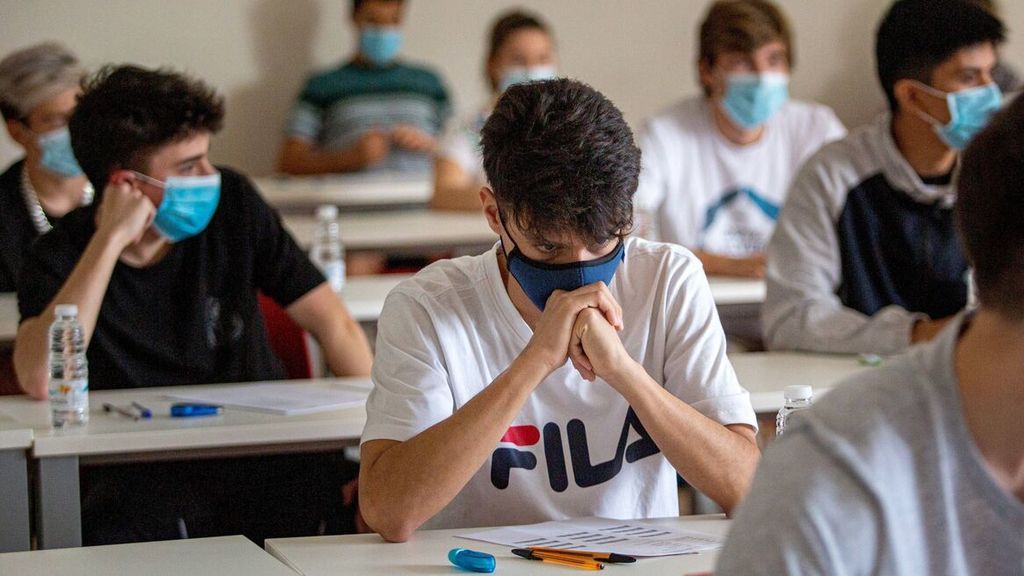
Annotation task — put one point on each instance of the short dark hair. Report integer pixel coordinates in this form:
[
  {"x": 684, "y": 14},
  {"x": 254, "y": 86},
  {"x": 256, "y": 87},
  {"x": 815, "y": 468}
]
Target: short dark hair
[
  {"x": 916, "y": 36},
  {"x": 560, "y": 158},
  {"x": 357, "y": 4},
  {"x": 126, "y": 112},
  {"x": 990, "y": 211}
]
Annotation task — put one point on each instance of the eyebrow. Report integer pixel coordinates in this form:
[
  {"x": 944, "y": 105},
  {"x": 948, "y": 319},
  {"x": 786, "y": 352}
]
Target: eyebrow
[{"x": 195, "y": 158}]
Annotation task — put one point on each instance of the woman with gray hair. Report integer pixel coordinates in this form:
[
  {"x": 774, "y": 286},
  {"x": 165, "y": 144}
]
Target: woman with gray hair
[{"x": 39, "y": 86}]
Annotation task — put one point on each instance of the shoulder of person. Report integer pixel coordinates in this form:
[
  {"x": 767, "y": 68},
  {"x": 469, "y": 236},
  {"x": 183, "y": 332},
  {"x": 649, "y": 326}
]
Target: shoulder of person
[
  {"x": 875, "y": 412},
  {"x": 448, "y": 278},
  {"x": 424, "y": 77},
  {"x": 809, "y": 116},
  {"x": 684, "y": 116},
  {"x": 842, "y": 164}
]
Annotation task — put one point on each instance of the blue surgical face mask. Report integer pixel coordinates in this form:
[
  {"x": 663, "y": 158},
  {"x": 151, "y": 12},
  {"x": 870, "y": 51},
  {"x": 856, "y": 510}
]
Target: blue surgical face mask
[
  {"x": 57, "y": 155},
  {"x": 380, "y": 44},
  {"x": 523, "y": 74},
  {"x": 751, "y": 99},
  {"x": 539, "y": 279},
  {"x": 188, "y": 205},
  {"x": 969, "y": 111}
]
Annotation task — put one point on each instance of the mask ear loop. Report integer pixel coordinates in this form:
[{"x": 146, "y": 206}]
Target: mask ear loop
[
  {"x": 504, "y": 227},
  {"x": 938, "y": 94}
]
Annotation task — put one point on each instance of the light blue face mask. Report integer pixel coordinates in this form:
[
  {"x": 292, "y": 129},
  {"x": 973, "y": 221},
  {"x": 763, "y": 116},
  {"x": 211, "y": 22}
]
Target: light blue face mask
[
  {"x": 523, "y": 74},
  {"x": 751, "y": 99},
  {"x": 188, "y": 205},
  {"x": 969, "y": 111},
  {"x": 58, "y": 157},
  {"x": 380, "y": 44}
]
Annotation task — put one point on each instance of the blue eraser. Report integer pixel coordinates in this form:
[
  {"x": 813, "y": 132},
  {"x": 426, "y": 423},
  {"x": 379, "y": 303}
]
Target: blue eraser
[{"x": 471, "y": 560}]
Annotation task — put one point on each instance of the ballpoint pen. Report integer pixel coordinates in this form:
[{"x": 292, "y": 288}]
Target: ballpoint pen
[
  {"x": 609, "y": 557},
  {"x": 580, "y": 562},
  {"x": 107, "y": 407},
  {"x": 143, "y": 411}
]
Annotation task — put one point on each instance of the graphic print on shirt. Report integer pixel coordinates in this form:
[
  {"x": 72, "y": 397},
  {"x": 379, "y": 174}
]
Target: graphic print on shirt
[
  {"x": 220, "y": 330},
  {"x": 585, "y": 473},
  {"x": 739, "y": 224}
]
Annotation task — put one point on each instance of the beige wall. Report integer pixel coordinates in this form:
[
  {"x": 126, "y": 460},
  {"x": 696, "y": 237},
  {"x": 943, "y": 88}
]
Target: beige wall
[{"x": 639, "y": 52}]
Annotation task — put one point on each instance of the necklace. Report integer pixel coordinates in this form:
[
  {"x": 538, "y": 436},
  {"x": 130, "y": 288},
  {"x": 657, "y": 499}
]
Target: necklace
[{"x": 35, "y": 209}]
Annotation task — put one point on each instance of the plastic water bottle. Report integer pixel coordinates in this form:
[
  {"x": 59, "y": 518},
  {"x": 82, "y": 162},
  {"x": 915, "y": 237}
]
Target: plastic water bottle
[
  {"x": 69, "y": 369},
  {"x": 327, "y": 252},
  {"x": 797, "y": 398}
]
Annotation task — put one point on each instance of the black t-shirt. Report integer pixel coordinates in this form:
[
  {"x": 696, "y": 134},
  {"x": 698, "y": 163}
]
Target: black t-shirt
[
  {"x": 16, "y": 229},
  {"x": 193, "y": 317}
]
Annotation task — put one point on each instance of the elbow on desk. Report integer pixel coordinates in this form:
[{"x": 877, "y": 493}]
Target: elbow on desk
[{"x": 391, "y": 525}]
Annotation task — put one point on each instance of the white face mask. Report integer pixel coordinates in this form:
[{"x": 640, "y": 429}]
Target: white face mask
[{"x": 521, "y": 74}]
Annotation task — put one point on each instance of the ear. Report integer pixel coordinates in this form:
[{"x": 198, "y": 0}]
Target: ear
[
  {"x": 705, "y": 76},
  {"x": 490, "y": 205},
  {"x": 19, "y": 133}
]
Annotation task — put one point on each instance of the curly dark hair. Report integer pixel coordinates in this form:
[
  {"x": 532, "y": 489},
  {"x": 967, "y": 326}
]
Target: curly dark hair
[
  {"x": 990, "y": 211},
  {"x": 127, "y": 112},
  {"x": 560, "y": 158}
]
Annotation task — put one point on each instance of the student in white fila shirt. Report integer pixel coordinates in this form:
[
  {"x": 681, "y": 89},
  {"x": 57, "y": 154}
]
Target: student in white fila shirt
[
  {"x": 717, "y": 166},
  {"x": 569, "y": 371}
]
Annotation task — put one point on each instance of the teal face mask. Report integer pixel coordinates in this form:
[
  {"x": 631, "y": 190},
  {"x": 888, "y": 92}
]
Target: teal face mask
[
  {"x": 969, "y": 111},
  {"x": 380, "y": 44},
  {"x": 58, "y": 157},
  {"x": 188, "y": 205},
  {"x": 751, "y": 99}
]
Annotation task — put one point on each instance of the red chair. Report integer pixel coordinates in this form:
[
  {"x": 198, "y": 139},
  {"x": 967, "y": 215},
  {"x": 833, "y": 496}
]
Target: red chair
[{"x": 287, "y": 340}]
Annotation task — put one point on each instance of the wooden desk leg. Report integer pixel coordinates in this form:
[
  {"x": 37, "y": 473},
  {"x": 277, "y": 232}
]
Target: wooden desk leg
[
  {"x": 58, "y": 503},
  {"x": 14, "y": 529}
]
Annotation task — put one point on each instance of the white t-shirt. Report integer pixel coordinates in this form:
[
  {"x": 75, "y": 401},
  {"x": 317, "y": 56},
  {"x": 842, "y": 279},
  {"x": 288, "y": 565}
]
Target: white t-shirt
[
  {"x": 574, "y": 449},
  {"x": 702, "y": 191}
]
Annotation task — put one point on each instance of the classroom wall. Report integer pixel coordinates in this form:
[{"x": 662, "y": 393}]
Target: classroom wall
[{"x": 257, "y": 52}]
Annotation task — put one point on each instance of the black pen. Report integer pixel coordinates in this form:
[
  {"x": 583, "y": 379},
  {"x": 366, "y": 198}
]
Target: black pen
[{"x": 107, "y": 407}]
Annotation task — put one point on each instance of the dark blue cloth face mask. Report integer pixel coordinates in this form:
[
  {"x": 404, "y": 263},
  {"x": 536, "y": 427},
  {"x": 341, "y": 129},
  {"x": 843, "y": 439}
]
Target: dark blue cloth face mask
[{"x": 539, "y": 279}]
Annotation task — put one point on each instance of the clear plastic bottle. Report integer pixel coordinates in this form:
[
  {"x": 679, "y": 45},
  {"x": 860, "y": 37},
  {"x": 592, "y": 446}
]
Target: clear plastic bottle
[
  {"x": 327, "y": 251},
  {"x": 69, "y": 369},
  {"x": 798, "y": 398}
]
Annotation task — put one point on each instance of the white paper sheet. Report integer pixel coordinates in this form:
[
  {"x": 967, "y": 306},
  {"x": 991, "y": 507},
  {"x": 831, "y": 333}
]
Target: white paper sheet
[
  {"x": 276, "y": 398},
  {"x": 630, "y": 537}
]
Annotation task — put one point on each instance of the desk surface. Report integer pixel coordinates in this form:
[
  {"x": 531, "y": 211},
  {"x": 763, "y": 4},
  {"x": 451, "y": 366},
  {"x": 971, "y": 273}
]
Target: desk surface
[
  {"x": 417, "y": 230},
  {"x": 14, "y": 435},
  {"x": 766, "y": 374},
  {"x": 116, "y": 434},
  {"x": 225, "y": 556},
  {"x": 364, "y": 295},
  {"x": 347, "y": 191},
  {"x": 427, "y": 553}
]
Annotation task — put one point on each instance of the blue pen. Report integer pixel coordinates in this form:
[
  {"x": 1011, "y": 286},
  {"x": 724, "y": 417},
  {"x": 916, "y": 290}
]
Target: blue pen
[
  {"x": 143, "y": 411},
  {"x": 190, "y": 410}
]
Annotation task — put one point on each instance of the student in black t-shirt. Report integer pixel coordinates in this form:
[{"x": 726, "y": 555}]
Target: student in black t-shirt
[{"x": 165, "y": 270}]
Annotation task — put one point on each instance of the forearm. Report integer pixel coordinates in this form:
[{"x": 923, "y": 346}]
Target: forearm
[
  {"x": 453, "y": 188},
  {"x": 347, "y": 350},
  {"x": 714, "y": 459},
  {"x": 412, "y": 481},
  {"x": 303, "y": 158},
  {"x": 85, "y": 287}
]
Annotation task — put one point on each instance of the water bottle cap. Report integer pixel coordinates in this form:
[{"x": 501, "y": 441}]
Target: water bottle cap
[
  {"x": 797, "y": 392},
  {"x": 327, "y": 211},
  {"x": 66, "y": 310}
]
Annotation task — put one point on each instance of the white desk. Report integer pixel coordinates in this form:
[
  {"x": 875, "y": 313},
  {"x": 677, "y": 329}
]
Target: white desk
[
  {"x": 15, "y": 441},
  {"x": 427, "y": 553},
  {"x": 9, "y": 317},
  {"x": 736, "y": 291},
  {"x": 349, "y": 192},
  {"x": 225, "y": 556},
  {"x": 114, "y": 438},
  {"x": 418, "y": 231},
  {"x": 364, "y": 295},
  {"x": 766, "y": 374}
]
